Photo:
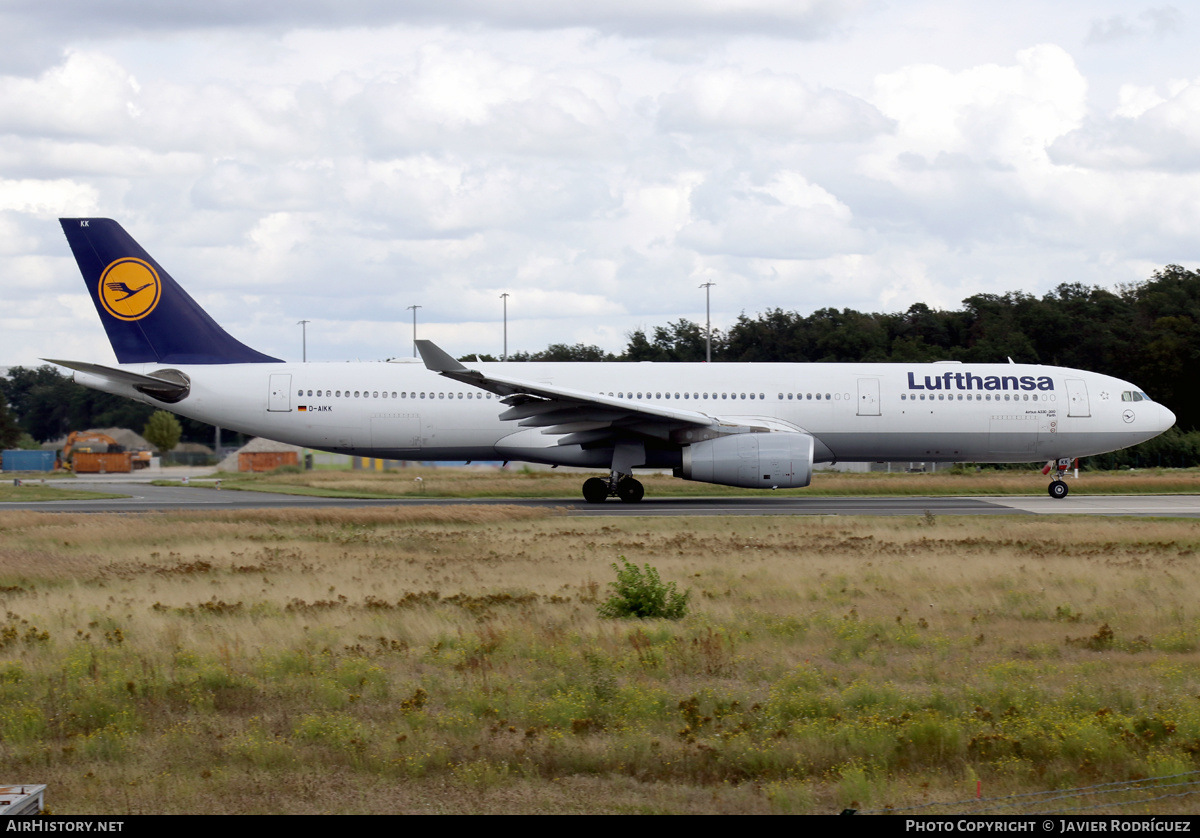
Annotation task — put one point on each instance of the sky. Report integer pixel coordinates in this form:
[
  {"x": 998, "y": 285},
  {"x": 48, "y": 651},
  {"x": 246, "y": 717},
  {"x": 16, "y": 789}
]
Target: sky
[{"x": 339, "y": 162}]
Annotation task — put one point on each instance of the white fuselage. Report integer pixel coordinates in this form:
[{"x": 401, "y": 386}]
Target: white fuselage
[{"x": 855, "y": 412}]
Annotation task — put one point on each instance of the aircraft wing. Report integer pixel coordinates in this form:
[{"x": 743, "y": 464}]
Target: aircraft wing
[{"x": 577, "y": 416}]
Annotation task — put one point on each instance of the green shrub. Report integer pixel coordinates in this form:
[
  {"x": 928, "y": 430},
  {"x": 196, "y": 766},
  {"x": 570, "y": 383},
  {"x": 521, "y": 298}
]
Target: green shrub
[{"x": 640, "y": 593}]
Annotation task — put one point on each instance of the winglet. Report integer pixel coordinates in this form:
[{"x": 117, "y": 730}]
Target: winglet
[{"x": 437, "y": 360}]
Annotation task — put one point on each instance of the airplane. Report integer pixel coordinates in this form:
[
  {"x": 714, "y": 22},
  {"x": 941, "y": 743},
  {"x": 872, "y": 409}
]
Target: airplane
[{"x": 733, "y": 424}]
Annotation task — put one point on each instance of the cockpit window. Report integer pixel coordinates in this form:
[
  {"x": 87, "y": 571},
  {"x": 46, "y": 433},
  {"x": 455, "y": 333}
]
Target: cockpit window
[{"x": 1134, "y": 396}]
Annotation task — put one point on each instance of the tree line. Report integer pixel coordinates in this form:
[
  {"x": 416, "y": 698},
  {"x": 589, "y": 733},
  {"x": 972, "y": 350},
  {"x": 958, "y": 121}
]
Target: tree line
[{"x": 1147, "y": 333}]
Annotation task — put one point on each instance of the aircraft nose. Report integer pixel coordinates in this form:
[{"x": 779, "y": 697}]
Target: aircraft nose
[{"x": 1168, "y": 418}]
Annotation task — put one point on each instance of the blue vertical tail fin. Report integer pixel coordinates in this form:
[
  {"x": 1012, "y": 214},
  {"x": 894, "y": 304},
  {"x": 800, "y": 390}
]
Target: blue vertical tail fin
[{"x": 149, "y": 318}]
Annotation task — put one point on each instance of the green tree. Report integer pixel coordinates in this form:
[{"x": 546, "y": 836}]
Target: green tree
[
  {"x": 563, "y": 352},
  {"x": 42, "y": 400},
  {"x": 682, "y": 340},
  {"x": 10, "y": 432},
  {"x": 163, "y": 431}
]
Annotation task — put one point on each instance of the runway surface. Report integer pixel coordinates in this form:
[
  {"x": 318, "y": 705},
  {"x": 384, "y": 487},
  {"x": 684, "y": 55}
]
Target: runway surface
[{"x": 147, "y": 498}]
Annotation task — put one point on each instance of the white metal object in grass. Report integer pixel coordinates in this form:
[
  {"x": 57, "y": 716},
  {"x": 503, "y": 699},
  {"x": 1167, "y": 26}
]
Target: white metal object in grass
[{"x": 22, "y": 800}]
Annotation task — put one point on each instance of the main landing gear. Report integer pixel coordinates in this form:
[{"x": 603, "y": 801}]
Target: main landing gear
[
  {"x": 598, "y": 490},
  {"x": 1058, "y": 488}
]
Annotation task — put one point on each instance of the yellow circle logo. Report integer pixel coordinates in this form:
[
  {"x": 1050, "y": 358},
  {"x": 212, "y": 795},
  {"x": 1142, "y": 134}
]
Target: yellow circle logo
[{"x": 129, "y": 289}]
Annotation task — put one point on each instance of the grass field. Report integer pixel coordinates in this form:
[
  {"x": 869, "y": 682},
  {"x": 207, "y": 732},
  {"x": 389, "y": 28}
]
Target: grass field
[
  {"x": 30, "y": 491},
  {"x": 516, "y": 483},
  {"x": 447, "y": 659}
]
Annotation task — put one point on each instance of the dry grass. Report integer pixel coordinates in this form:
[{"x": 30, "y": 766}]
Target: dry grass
[
  {"x": 451, "y": 659},
  {"x": 514, "y": 483}
]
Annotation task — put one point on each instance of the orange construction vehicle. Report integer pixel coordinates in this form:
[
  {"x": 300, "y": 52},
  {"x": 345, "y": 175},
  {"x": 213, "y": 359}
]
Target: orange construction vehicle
[{"x": 92, "y": 452}]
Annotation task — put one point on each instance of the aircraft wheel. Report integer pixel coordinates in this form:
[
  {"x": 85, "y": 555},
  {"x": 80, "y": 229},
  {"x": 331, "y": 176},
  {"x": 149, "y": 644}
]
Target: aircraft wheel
[
  {"x": 630, "y": 490},
  {"x": 595, "y": 490},
  {"x": 1058, "y": 489}
]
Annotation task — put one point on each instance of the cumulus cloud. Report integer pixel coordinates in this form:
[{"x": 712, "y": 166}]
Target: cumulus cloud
[
  {"x": 341, "y": 162},
  {"x": 766, "y": 102},
  {"x": 798, "y": 18},
  {"x": 1147, "y": 131},
  {"x": 229, "y": 184},
  {"x": 1007, "y": 113},
  {"x": 1153, "y": 22},
  {"x": 47, "y": 198},
  {"x": 785, "y": 218},
  {"x": 88, "y": 95},
  {"x": 968, "y": 158}
]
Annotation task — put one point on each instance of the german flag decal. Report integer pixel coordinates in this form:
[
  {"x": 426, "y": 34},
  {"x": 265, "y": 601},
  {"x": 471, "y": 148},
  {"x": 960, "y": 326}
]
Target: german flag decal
[{"x": 302, "y": 408}]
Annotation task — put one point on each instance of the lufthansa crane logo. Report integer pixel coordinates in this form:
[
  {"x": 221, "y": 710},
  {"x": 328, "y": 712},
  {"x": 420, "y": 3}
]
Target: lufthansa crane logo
[{"x": 130, "y": 289}]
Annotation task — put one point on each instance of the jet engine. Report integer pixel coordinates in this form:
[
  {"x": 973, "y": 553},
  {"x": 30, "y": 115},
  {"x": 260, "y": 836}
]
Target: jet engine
[{"x": 751, "y": 461}]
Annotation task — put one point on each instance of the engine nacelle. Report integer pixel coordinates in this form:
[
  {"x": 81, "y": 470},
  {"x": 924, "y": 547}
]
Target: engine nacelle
[{"x": 751, "y": 461}]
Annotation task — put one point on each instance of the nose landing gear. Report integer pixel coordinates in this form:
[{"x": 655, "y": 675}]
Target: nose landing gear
[{"x": 1058, "y": 488}]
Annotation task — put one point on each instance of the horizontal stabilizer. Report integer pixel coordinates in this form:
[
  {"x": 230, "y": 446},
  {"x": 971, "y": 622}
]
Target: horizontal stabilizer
[{"x": 170, "y": 390}]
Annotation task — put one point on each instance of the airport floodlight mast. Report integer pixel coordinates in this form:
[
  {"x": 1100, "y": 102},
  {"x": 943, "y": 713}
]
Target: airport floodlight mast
[
  {"x": 303, "y": 324},
  {"x": 707, "y": 321},
  {"x": 504, "y": 297},
  {"x": 413, "y": 309}
]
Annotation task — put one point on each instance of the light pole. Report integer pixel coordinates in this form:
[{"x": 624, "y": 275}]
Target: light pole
[
  {"x": 504, "y": 297},
  {"x": 414, "y": 311},
  {"x": 708, "y": 321},
  {"x": 303, "y": 324}
]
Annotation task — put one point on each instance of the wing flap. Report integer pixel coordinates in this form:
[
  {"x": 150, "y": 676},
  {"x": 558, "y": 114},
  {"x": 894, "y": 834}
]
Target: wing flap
[{"x": 572, "y": 415}]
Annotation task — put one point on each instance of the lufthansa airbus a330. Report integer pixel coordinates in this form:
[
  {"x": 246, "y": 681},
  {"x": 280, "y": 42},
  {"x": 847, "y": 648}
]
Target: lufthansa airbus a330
[{"x": 760, "y": 426}]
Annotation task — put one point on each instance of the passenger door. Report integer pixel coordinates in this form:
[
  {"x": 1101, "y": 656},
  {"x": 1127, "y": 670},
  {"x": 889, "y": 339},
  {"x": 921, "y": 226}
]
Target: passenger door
[
  {"x": 868, "y": 397},
  {"x": 1077, "y": 398},
  {"x": 279, "y": 398}
]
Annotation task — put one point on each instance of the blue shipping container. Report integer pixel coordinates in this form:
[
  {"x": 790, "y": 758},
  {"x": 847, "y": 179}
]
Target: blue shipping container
[{"x": 18, "y": 460}]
